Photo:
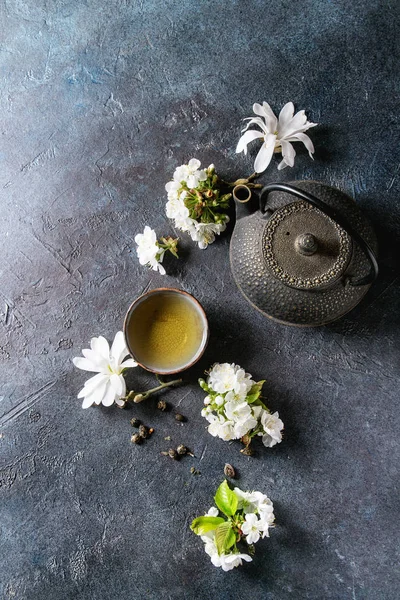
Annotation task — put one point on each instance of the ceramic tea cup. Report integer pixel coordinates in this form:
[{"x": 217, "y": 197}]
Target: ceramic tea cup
[{"x": 166, "y": 330}]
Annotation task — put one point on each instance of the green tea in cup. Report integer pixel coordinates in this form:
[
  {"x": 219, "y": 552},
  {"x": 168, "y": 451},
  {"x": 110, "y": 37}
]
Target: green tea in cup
[{"x": 166, "y": 330}]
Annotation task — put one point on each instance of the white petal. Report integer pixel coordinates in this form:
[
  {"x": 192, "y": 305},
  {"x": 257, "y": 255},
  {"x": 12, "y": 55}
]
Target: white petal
[
  {"x": 87, "y": 401},
  {"x": 302, "y": 137},
  {"x": 194, "y": 163},
  {"x": 100, "y": 345},
  {"x": 286, "y": 115},
  {"x": 138, "y": 238},
  {"x": 265, "y": 154},
  {"x": 118, "y": 383},
  {"x": 259, "y": 122},
  {"x": 95, "y": 358},
  {"x": 91, "y": 384},
  {"x": 192, "y": 182},
  {"x": 298, "y": 124},
  {"x": 161, "y": 269},
  {"x": 128, "y": 363},
  {"x": 109, "y": 395},
  {"x": 120, "y": 402},
  {"x": 288, "y": 153},
  {"x": 266, "y": 113},
  {"x": 85, "y": 365},
  {"x": 118, "y": 348},
  {"x": 96, "y": 395},
  {"x": 246, "y": 138},
  {"x": 282, "y": 165},
  {"x": 271, "y": 115}
]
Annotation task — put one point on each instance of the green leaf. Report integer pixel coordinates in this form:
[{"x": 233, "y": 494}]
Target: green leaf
[
  {"x": 202, "y": 525},
  {"x": 224, "y": 537},
  {"x": 254, "y": 392},
  {"x": 226, "y": 500},
  {"x": 256, "y": 388}
]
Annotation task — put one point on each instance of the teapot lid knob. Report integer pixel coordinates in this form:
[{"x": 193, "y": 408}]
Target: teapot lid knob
[{"x": 306, "y": 243}]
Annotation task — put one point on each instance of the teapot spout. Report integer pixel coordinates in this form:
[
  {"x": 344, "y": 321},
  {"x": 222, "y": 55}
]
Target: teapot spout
[{"x": 244, "y": 201}]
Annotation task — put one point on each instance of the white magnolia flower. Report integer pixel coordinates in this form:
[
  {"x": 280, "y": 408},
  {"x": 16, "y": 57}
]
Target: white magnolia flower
[
  {"x": 272, "y": 429},
  {"x": 276, "y": 134},
  {"x": 108, "y": 385},
  {"x": 149, "y": 253},
  {"x": 251, "y": 528},
  {"x": 204, "y": 233}
]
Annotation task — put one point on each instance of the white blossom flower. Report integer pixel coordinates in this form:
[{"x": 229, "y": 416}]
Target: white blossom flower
[
  {"x": 266, "y": 521},
  {"x": 220, "y": 427},
  {"x": 108, "y": 386},
  {"x": 247, "y": 501},
  {"x": 204, "y": 233},
  {"x": 183, "y": 192},
  {"x": 226, "y": 561},
  {"x": 272, "y": 429},
  {"x": 222, "y": 377},
  {"x": 241, "y": 428},
  {"x": 212, "y": 512},
  {"x": 191, "y": 174},
  {"x": 229, "y": 561},
  {"x": 149, "y": 253},
  {"x": 251, "y": 528},
  {"x": 276, "y": 134},
  {"x": 207, "y": 413},
  {"x": 238, "y": 412}
]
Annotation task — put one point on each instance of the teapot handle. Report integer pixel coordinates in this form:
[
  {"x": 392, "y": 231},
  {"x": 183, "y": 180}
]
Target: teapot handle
[{"x": 333, "y": 214}]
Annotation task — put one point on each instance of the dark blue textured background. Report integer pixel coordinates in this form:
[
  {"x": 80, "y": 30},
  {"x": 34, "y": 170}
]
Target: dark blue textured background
[{"x": 99, "y": 102}]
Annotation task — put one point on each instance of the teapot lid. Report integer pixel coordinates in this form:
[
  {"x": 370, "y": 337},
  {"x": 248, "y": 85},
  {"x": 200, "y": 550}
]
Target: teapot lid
[{"x": 304, "y": 248}]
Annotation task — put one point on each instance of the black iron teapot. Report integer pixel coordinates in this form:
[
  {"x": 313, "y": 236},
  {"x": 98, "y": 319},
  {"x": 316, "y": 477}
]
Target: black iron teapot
[{"x": 305, "y": 256}]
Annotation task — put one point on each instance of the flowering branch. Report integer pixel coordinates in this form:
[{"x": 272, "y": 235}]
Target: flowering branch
[
  {"x": 246, "y": 517},
  {"x": 244, "y": 181},
  {"x": 234, "y": 409},
  {"x": 151, "y": 252},
  {"x": 140, "y": 396}
]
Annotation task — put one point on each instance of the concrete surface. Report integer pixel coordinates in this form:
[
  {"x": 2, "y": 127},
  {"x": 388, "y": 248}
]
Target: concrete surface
[{"x": 100, "y": 101}]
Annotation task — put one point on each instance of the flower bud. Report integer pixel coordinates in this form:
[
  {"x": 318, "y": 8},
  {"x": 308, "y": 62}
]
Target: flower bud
[
  {"x": 143, "y": 431},
  {"x": 203, "y": 385},
  {"x": 173, "y": 454},
  {"x": 229, "y": 471},
  {"x": 181, "y": 450},
  {"x": 136, "y": 439},
  {"x": 138, "y": 398}
]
